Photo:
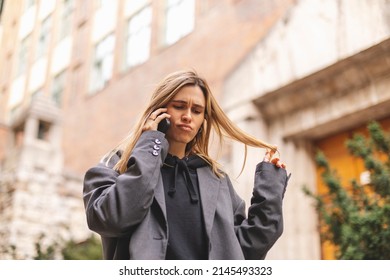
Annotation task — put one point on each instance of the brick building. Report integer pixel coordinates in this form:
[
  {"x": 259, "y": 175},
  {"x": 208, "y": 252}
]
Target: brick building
[{"x": 74, "y": 76}]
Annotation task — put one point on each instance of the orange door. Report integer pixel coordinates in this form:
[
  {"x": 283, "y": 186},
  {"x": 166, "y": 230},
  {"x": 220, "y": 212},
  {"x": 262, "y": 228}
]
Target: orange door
[{"x": 347, "y": 166}]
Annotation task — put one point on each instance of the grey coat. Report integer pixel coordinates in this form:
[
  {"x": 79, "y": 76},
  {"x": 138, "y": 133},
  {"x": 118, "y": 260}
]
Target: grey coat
[{"x": 128, "y": 210}]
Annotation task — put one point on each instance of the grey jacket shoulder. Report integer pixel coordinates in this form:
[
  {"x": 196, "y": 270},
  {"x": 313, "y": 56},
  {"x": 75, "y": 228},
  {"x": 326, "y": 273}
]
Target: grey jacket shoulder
[{"x": 114, "y": 202}]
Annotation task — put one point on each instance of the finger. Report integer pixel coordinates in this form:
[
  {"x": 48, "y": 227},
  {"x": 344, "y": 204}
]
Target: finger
[
  {"x": 278, "y": 163},
  {"x": 153, "y": 124},
  {"x": 271, "y": 153},
  {"x": 156, "y": 113},
  {"x": 161, "y": 117}
]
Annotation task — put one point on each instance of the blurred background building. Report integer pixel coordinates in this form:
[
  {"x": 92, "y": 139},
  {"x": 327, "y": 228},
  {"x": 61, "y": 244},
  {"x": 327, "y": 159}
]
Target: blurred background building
[{"x": 74, "y": 76}]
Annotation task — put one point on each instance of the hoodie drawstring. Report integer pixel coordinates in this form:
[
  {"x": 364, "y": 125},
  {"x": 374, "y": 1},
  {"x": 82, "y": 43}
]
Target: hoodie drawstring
[{"x": 182, "y": 165}]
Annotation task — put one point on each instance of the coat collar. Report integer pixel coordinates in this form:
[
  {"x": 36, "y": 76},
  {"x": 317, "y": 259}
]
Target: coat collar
[{"x": 209, "y": 185}]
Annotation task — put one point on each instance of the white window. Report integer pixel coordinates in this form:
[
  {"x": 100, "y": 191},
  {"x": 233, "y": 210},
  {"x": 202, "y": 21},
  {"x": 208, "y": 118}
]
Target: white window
[
  {"x": 14, "y": 113},
  {"x": 28, "y": 4},
  {"x": 180, "y": 19},
  {"x": 58, "y": 88},
  {"x": 66, "y": 18},
  {"x": 103, "y": 63},
  {"x": 23, "y": 55},
  {"x": 101, "y": 3},
  {"x": 138, "y": 37},
  {"x": 44, "y": 37}
]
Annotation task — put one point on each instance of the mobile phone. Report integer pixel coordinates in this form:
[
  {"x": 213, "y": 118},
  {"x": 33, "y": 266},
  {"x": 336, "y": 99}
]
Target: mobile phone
[{"x": 163, "y": 125}]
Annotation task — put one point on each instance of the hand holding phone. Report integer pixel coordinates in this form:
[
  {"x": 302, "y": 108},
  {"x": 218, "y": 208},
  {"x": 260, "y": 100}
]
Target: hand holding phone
[{"x": 158, "y": 118}]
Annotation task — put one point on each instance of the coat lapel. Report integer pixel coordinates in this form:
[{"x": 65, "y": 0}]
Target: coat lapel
[
  {"x": 159, "y": 196},
  {"x": 209, "y": 186}
]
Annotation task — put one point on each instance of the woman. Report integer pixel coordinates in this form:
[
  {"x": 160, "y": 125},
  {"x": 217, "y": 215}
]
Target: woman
[{"x": 161, "y": 196}]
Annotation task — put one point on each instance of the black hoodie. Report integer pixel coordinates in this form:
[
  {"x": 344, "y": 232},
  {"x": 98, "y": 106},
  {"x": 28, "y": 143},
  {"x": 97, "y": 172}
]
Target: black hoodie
[{"x": 187, "y": 236}]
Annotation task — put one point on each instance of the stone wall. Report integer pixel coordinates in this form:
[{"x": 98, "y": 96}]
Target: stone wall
[{"x": 38, "y": 202}]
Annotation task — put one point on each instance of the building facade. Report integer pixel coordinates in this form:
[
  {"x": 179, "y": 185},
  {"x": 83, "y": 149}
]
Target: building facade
[
  {"x": 74, "y": 76},
  {"x": 320, "y": 75}
]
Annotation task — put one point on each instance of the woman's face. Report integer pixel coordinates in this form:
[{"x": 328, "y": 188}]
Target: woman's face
[{"x": 187, "y": 110}]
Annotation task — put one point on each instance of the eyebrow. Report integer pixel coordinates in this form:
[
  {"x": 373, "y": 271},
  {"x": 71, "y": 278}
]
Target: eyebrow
[{"x": 185, "y": 102}]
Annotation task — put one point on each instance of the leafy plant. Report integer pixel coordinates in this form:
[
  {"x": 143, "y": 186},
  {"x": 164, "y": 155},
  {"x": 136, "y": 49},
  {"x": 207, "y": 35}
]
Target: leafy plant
[
  {"x": 45, "y": 252},
  {"x": 356, "y": 218},
  {"x": 89, "y": 249}
]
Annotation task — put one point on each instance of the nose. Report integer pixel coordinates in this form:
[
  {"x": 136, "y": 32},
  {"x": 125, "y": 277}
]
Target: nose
[{"x": 187, "y": 117}]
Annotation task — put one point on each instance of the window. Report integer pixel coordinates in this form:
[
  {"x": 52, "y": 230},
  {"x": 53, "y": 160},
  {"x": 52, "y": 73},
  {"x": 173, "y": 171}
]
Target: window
[
  {"x": 66, "y": 18},
  {"x": 103, "y": 63},
  {"x": 180, "y": 18},
  {"x": 58, "y": 88},
  {"x": 14, "y": 112},
  {"x": 43, "y": 130},
  {"x": 23, "y": 55},
  {"x": 101, "y": 3},
  {"x": 44, "y": 37},
  {"x": 138, "y": 37},
  {"x": 28, "y": 4}
]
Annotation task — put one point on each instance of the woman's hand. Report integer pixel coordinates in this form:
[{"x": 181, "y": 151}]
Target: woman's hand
[
  {"x": 155, "y": 118},
  {"x": 269, "y": 157}
]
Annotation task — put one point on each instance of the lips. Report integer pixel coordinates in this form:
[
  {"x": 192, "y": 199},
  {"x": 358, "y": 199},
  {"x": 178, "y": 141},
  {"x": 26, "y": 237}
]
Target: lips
[{"x": 185, "y": 127}]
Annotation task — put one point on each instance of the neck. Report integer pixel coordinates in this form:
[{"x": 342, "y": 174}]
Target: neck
[{"x": 177, "y": 149}]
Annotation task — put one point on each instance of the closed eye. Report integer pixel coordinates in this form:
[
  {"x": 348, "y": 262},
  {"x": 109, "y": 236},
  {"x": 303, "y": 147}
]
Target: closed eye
[
  {"x": 197, "y": 111},
  {"x": 183, "y": 105}
]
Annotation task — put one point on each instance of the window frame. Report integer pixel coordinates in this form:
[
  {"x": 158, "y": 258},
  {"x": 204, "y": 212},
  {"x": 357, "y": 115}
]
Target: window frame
[
  {"x": 44, "y": 36},
  {"x": 65, "y": 28},
  {"x": 172, "y": 10},
  {"x": 99, "y": 79},
  {"x": 23, "y": 55},
  {"x": 131, "y": 38},
  {"x": 58, "y": 88}
]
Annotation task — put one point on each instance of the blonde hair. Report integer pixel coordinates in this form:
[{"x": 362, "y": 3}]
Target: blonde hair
[{"x": 214, "y": 118}]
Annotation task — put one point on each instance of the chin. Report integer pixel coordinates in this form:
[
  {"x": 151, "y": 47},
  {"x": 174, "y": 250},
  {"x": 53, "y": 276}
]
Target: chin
[{"x": 184, "y": 138}]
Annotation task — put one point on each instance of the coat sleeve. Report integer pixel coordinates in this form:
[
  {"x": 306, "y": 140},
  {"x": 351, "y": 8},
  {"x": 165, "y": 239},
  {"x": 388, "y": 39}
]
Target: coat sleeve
[
  {"x": 258, "y": 232},
  {"x": 115, "y": 203}
]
